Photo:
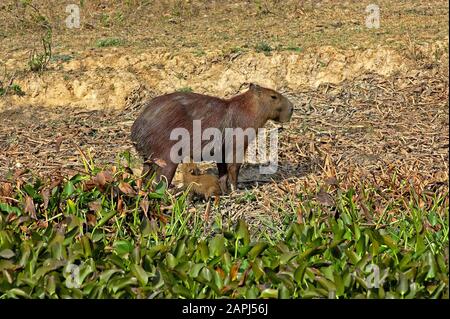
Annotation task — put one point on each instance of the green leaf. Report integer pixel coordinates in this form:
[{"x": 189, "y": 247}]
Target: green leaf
[
  {"x": 339, "y": 282},
  {"x": 300, "y": 273},
  {"x": 242, "y": 232},
  {"x": 105, "y": 218},
  {"x": 269, "y": 293},
  {"x": 122, "y": 247},
  {"x": 6, "y": 264},
  {"x": 431, "y": 262},
  {"x": 69, "y": 189},
  {"x": 432, "y": 218},
  {"x": 171, "y": 260},
  {"x": 286, "y": 257},
  {"x": 420, "y": 245},
  {"x": 327, "y": 284},
  {"x": 403, "y": 285},
  {"x": 352, "y": 256},
  {"x": 257, "y": 269},
  {"x": 71, "y": 207},
  {"x": 106, "y": 275},
  {"x": 179, "y": 290},
  {"x": 205, "y": 274},
  {"x": 284, "y": 292},
  {"x": 217, "y": 245},
  {"x": 203, "y": 251},
  {"x": 122, "y": 283},
  {"x": 140, "y": 274},
  {"x": 16, "y": 293},
  {"x": 10, "y": 209},
  {"x": 195, "y": 270},
  {"x": 7, "y": 253},
  {"x": 257, "y": 250}
]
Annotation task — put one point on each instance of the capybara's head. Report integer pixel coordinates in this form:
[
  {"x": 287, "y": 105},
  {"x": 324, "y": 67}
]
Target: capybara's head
[{"x": 275, "y": 105}]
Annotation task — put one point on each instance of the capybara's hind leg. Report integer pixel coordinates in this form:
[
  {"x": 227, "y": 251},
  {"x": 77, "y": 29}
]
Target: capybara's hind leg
[{"x": 233, "y": 173}]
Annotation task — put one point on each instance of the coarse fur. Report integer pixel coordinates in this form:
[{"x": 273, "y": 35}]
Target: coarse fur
[
  {"x": 251, "y": 109},
  {"x": 203, "y": 185}
]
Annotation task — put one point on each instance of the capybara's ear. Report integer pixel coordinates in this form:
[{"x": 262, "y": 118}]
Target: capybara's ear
[{"x": 254, "y": 87}]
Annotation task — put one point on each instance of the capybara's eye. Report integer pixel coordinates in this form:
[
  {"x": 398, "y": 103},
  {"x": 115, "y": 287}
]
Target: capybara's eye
[{"x": 274, "y": 97}]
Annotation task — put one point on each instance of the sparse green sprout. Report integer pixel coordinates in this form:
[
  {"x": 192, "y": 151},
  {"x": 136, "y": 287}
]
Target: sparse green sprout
[
  {"x": 199, "y": 53},
  {"x": 61, "y": 58},
  {"x": 38, "y": 62},
  {"x": 17, "y": 89},
  {"x": 13, "y": 89},
  {"x": 294, "y": 48},
  {"x": 263, "y": 47},
  {"x": 186, "y": 89},
  {"x": 109, "y": 42}
]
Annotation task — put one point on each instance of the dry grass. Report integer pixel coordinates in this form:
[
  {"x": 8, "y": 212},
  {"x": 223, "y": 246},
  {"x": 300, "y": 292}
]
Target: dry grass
[{"x": 198, "y": 25}]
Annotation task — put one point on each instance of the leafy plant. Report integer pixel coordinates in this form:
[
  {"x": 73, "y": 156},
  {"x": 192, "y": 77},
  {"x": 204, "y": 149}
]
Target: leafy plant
[
  {"x": 186, "y": 89},
  {"x": 7, "y": 85},
  {"x": 39, "y": 61},
  {"x": 263, "y": 47},
  {"x": 104, "y": 234}
]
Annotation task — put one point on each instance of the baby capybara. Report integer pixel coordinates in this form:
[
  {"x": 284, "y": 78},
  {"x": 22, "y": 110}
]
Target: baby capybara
[
  {"x": 152, "y": 129},
  {"x": 204, "y": 185}
]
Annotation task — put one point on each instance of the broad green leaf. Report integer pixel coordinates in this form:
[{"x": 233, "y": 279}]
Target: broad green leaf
[
  {"x": 7, "y": 253},
  {"x": 123, "y": 247},
  {"x": 195, "y": 270},
  {"x": 106, "y": 275},
  {"x": 269, "y": 293},
  {"x": 257, "y": 249},
  {"x": 203, "y": 250},
  {"x": 300, "y": 273},
  {"x": 242, "y": 232},
  {"x": 217, "y": 245},
  {"x": 140, "y": 274},
  {"x": 171, "y": 260},
  {"x": 286, "y": 257},
  {"x": 69, "y": 189}
]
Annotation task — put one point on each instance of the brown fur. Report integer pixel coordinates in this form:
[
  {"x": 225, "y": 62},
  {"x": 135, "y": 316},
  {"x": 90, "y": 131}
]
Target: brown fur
[
  {"x": 204, "y": 185},
  {"x": 252, "y": 109}
]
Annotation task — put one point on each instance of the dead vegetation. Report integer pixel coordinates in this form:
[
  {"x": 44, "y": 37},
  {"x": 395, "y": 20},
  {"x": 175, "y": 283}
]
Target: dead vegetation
[{"x": 371, "y": 131}]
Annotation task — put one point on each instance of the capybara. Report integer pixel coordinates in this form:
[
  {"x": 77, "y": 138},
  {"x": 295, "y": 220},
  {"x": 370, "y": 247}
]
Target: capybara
[
  {"x": 152, "y": 129},
  {"x": 204, "y": 185}
]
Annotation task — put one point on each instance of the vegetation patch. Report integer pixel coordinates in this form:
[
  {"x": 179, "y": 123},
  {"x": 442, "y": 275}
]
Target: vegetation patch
[
  {"x": 109, "y": 42},
  {"x": 263, "y": 47},
  {"x": 104, "y": 234},
  {"x": 186, "y": 89},
  {"x": 13, "y": 89}
]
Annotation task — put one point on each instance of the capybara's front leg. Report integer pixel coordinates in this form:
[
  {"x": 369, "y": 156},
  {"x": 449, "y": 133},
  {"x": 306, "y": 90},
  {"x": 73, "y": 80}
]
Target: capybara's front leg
[
  {"x": 233, "y": 173},
  {"x": 168, "y": 171},
  {"x": 223, "y": 177}
]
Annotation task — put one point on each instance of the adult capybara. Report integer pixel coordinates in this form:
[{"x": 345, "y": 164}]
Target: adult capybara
[{"x": 151, "y": 132}]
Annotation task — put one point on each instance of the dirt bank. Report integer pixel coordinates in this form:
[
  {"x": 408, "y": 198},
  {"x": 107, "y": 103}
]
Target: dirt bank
[{"x": 106, "y": 78}]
